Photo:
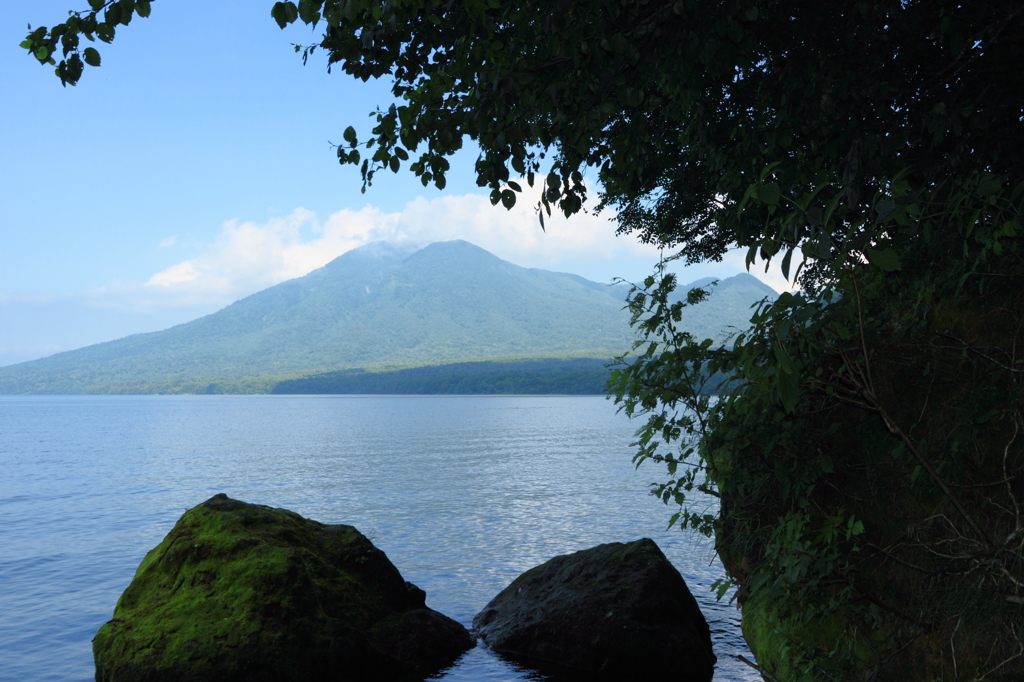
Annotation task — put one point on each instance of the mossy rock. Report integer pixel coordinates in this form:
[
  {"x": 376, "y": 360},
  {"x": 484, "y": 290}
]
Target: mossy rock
[
  {"x": 245, "y": 592},
  {"x": 781, "y": 640},
  {"x": 616, "y": 611}
]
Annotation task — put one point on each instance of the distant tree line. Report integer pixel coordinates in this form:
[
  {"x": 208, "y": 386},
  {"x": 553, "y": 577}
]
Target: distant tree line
[
  {"x": 585, "y": 376},
  {"x": 580, "y": 376}
]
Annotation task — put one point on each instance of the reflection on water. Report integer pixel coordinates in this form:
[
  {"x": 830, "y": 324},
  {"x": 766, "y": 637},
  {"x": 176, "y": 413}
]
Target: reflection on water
[{"x": 462, "y": 493}]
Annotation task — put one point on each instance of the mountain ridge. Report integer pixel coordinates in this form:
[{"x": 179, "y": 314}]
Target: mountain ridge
[{"x": 377, "y": 307}]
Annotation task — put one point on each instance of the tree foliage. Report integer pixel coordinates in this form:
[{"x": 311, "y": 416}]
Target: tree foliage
[{"x": 869, "y": 464}]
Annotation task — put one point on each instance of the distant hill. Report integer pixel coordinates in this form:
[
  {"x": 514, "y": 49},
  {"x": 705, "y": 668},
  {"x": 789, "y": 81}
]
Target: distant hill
[{"x": 374, "y": 308}]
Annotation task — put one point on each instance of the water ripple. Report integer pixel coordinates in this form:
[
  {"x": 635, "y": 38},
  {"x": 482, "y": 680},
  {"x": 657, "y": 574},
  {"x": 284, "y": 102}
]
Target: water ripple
[{"x": 462, "y": 493}]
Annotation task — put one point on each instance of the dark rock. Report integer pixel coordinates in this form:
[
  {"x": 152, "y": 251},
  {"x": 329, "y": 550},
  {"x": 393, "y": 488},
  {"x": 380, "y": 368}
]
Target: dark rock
[
  {"x": 247, "y": 593},
  {"x": 617, "y": 610}
]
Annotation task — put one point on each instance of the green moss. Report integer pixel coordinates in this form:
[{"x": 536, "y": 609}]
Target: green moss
[
  {"x": 782, "y": 639},
  {"x": 239, "y": 591}
]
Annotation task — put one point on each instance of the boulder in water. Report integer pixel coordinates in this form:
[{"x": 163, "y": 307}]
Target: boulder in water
[
  {"x": 247, "y": 593},
  {"x": 618, "y": 611}
]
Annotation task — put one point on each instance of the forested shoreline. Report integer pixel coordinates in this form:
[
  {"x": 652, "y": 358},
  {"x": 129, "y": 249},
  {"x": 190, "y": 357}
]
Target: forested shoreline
[
  {"x": 584, "y": 376},
  {"x": 579, "y": 376}
]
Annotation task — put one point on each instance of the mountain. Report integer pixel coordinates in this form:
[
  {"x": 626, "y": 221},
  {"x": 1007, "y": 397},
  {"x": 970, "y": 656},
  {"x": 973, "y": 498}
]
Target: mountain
[
  {"x": 377, "y": 307},
  {"x": 727, "y": 310}
]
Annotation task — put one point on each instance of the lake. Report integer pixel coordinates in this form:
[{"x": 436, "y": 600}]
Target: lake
[{"x": 463, "y": 493}]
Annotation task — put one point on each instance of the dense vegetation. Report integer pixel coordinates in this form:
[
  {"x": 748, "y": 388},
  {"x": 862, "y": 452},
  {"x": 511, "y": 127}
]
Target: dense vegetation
[{"x": 870, "y": 467}]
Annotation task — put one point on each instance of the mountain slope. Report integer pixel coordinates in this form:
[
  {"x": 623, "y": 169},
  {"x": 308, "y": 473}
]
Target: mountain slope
[
  {"x": 375, "y": 307},
  {"x": 727, "y": 310}
]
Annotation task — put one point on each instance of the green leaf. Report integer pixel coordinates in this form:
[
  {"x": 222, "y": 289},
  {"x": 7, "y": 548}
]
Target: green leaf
[
  {"x": 824, "y": 246},
  {"x": 786, "y": 261},
  {"x": 350, "y": 135},
  {"x": 783, "y": 357},
  {"x": 786, "y": 378},
  {"x": 749, "y": 194},
  {"x": 127, "y": 11},
  {"x": 1017, "y": 191},
  {"x": 284, "y": 13},
  {"x": 72, "y": 69},
  {"x": 142, "y": 8},
  {"x": 508, "y": 198},
  {"x": 751, "y": 255},
  {"x": 884, "y": 259},
  {"x": 309, "y": 11},
  {"x": 96, "y": 5},
  {"x": 92, "y": 56},
  {"x": 105, "y": 32},
  {"x": 986, "y": 417},
  {"x": 42, "y": 53},
  {"x": 884, "y": 207},
  {"x": 989, "y": 185},
  {"x": 769, "y": 194},
  {"x": 113, "y": 15}
]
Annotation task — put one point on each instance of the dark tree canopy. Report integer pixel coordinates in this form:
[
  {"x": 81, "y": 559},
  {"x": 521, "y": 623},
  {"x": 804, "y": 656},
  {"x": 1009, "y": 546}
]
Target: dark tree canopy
[
  {"x": 868, "y": 456},
  {"x": 809, "y": 115}
]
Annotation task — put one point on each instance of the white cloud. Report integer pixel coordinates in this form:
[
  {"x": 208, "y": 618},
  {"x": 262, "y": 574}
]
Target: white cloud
[
  {"x": 168, "y": 241},
  {"x": 247, "y": 257},
  {"x": 516, "y": 234}
]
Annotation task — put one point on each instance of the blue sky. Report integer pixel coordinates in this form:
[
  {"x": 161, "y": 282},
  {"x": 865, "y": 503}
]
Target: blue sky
[{"x": 194, "y": 167}]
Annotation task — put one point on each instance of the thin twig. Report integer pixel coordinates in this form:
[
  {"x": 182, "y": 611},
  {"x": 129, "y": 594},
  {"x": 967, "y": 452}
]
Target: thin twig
[
  {"x": 979, "y": 353},
  {"x": 764, "y": 673},
  {"x": 863, "y": 341},
  {"x": 897, "y": 559},
  {"x": 1006, "y": 475},
  {"x": 1019, "y": 653}
]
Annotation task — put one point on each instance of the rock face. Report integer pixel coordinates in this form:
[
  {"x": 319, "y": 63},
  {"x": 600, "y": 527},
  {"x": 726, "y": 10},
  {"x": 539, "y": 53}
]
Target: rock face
[
  {"x": 618, "y": 611},
  {"x": 247, "y": 593}
]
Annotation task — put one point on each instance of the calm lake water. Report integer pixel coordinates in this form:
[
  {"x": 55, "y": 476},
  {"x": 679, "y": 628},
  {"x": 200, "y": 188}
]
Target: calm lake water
[{"x": 462, "y": 493}]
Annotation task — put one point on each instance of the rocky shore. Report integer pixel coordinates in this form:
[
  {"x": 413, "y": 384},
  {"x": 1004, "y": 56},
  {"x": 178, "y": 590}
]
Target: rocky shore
[{"x": 240, "y": 592}]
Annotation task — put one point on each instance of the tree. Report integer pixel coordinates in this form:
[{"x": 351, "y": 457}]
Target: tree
[{"x": 868, "y": 462}]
